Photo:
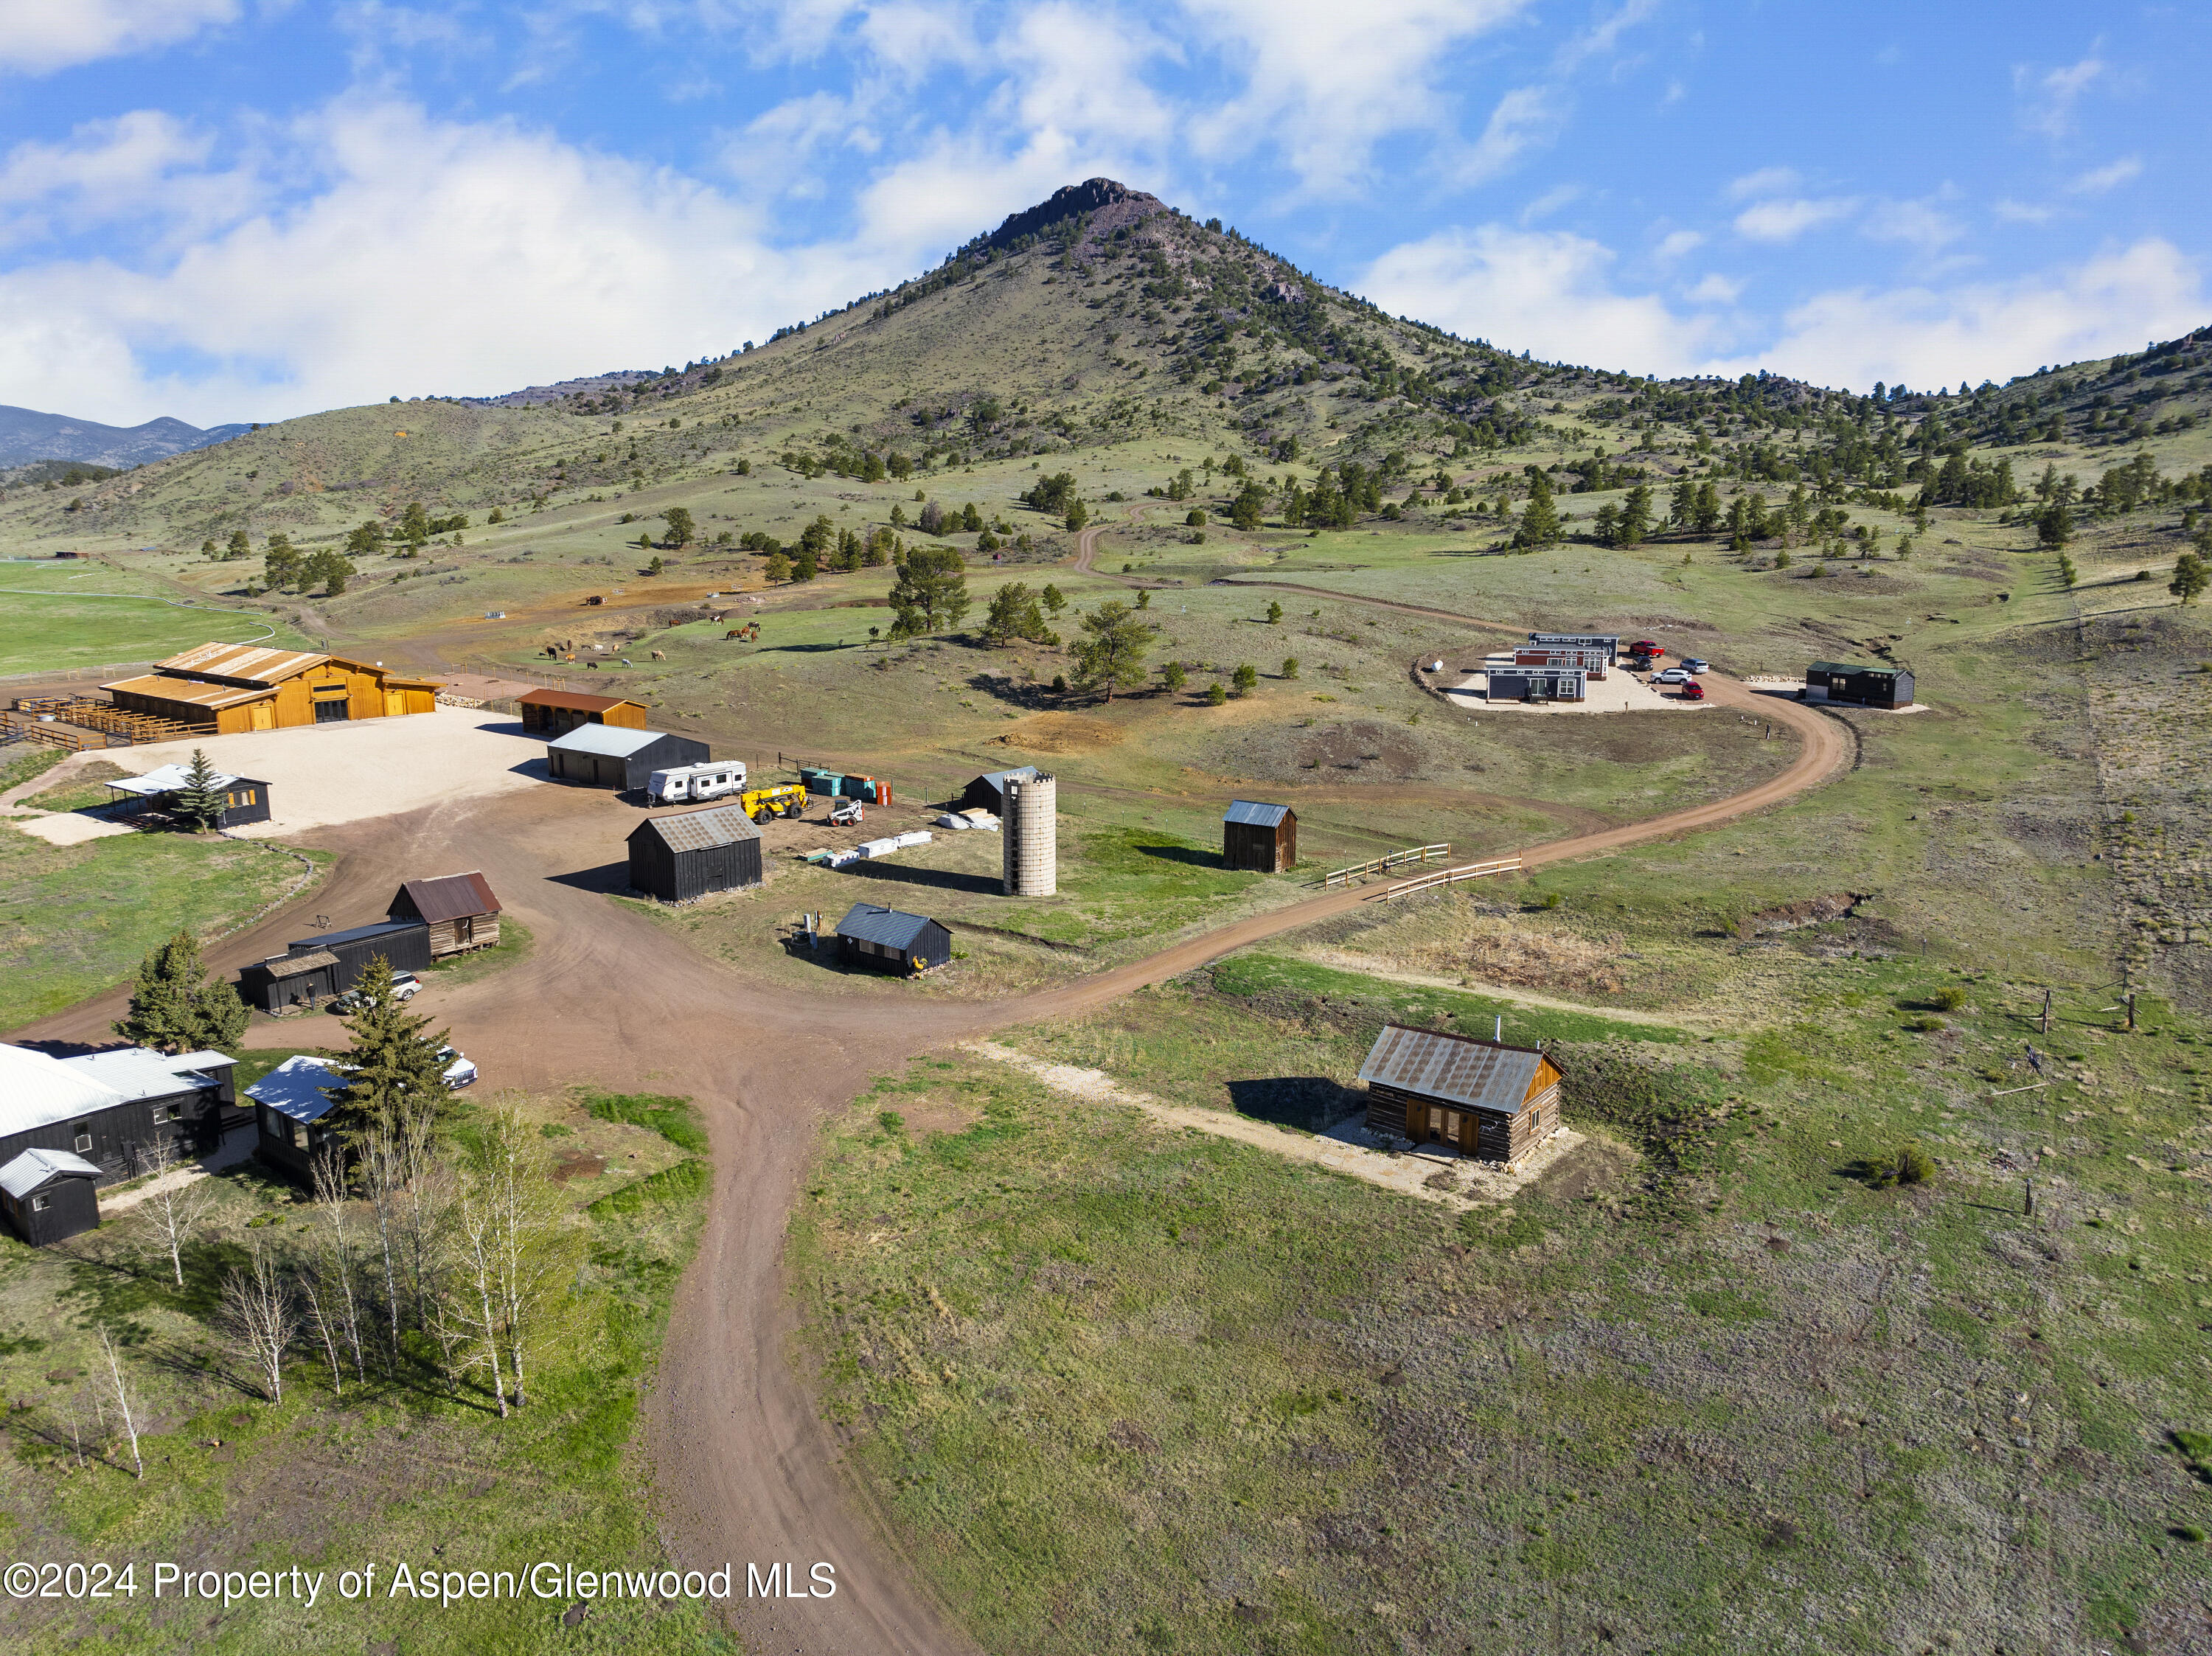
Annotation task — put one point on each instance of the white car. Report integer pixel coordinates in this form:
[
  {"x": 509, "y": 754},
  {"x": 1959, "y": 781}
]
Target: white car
[
  {"x": 459, "y": 1071},
  {"x": 1696, "y": 664},
  {"x": 1671, "y": 676}
]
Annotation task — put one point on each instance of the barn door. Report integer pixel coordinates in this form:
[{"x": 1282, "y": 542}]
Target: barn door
[
  {"x": 264, "y": 715},
  {"x": 395, "y": 703}
]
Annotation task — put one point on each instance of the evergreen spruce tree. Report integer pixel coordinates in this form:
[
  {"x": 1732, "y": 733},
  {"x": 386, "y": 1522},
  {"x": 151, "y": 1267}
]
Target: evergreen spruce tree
[
  {"x": 172, "y": 1010},
  {"x": 1540, "y": 522},
  {"x": 393, "y": 1070},
  {"x": 2192, "y": 575},
  {"x": 200, "y": 801}
]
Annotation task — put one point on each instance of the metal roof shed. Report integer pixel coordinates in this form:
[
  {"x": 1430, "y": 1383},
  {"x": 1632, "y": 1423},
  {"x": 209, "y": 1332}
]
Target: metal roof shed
[
  {"x": 1482, "y": 1098},
  {"x": 49, "y": 1195},
  {"x": 554, "y": 712},
  {"x": 677, "y": 858},
  {"x": 989, "y": 790},
  {"x": 875, "y": 935},
  {"x": 1869, "y": 686},
  {"x": 611, "y": 757},
  {"x": 1259, "y": 838},
  {"x": 404, "y": 946}
]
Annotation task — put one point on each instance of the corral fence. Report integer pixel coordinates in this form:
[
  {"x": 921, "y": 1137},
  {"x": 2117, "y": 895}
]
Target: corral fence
[
  {"x": 1449, "y": 876},
  {"x": 1396, "y": 859}
]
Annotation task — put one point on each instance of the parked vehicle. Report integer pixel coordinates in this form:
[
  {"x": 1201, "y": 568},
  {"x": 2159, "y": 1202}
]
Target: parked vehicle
[
  {"x": 1697, "y": 664},
  {"x": 1671, "y": 676},
  {"x": 1645, "y": 647},
  {"x": 784, "y": 799},
  {"x": 459, "y": 1071},
  {"x": 1693, "y": 691},
  {"x": 406, "y": 986},
  {"x": 696, "y": 783},
  {"x": 847, "y": 812}
]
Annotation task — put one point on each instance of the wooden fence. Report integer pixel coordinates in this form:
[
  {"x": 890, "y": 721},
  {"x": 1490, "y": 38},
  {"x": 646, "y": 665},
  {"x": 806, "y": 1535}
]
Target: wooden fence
[
  {"x": 1384, "y": 865},
  {"x": 1449, "y": 876}
]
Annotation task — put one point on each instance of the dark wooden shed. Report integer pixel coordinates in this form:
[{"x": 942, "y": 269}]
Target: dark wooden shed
[
  {"x": 286, "y": 983},
  {"x": 677, "y": 858},
  {"x": 404, "y": 944},
  {"x": 1481, "y": 1098},
  {"x": 555, "y": 713},
  {"x": 50, "y": 1195},
  {"x": 1258, "y": 838},
  {"x": 458, "y": 909},
  {"x": 871, "y": 934},
  {"x": 989, "y": 790},
  {"x": 1868, "y": 687},
  {"x": 611, "y": 757}
]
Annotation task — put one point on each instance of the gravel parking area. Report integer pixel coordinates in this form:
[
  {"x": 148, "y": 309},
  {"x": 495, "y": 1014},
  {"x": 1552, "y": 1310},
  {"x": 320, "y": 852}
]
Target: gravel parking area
[{"x": 1619, "y": 692}]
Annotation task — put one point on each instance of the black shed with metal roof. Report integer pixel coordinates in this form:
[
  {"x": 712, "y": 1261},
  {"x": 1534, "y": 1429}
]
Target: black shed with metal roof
[
  {"x": 989, "y": 790},
  {"x": 876, "y": 936},
  {"x": 678, "y": 858},
  {"x": 1259, "y": 838},
  {"x": 1869, "y": 686}
]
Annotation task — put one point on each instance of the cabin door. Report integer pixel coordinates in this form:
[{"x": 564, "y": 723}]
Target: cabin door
[{"x": 1444, "y": 1126}]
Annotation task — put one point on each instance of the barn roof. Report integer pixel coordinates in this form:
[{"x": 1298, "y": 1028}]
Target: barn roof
[
  {"x": 998, "y": 779},
  {"x": 248, "y": 661},
  {"x": 36, "y": 1091},
  {"x": 291, "y": 966},
  {"x": 137, "y": 1072},
  {"x": 322, "y": 940},
  {"x": 614, "y": 740},
  {"x": 214, "y": 696},
  {"x": 700, "y": 830},
  {"x": 1458, "y": 1069},
  {"x": 891, "y": 927},
  {"x": 35, "y": 1168},
  {"x": 451, "y": 897},
  {"x": 296, "y": 1088},
  {"x": 575, "y": 700},
  {"x": 1254, "y": 813}
]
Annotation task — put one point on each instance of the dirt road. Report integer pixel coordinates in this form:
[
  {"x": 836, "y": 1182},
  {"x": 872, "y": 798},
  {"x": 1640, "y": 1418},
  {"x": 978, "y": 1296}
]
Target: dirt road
[{"x": 747, "y": 1468}]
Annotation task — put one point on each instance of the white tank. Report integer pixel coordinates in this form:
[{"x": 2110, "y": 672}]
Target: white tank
[{"x": 1030, "y": 864}]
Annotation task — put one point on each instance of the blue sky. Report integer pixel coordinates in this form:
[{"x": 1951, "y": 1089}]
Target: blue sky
[{"x": 251, "y": 209}]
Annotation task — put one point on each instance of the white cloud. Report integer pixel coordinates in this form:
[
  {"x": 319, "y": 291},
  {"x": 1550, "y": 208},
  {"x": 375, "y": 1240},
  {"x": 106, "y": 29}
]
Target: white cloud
[
  {"x": 2022, "y": 212},
  {"x": 143, "y": 169},
  {"x": 1917, "y": 223},
  {"x": 2048, "y": 99},
  {"x": 2097, "y": 180},
  {"x": 1325, "y": 81},
  {"x": 2111, "y": 302},
  {"x": 1551, "y": 202},
  {"x": 1676, "y": 243},
  {"x": 1545, "y": 291},
  {"x": 433, "y": 256},
  {"x": 1789, "y": 217},
  {"x": 1524, "y": 118},
  {"x": 40, "y": 36},
  {"x": 1767, "y": 181},
  {"x": 1716, "y": 290}
]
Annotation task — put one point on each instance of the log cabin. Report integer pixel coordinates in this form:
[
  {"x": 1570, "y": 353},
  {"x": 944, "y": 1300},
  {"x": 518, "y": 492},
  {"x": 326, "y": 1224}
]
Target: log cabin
[
  {"x": 1481, "y": 1098},
  {"x": 460, "y": 909}
]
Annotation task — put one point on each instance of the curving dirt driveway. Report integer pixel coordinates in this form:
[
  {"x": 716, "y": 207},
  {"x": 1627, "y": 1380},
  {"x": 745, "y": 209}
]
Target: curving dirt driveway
[{"x": 747, "y": 1468}]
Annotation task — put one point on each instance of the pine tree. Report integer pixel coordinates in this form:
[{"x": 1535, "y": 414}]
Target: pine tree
[
  {"x": 1173, "y": 678},
  {"x": 1707, "y": 512},
  {"x": 200, "y": 800},
  {"x": 2191, "y": 576},
  {"x": 930, "y": 592},
  {"x": 1246, "y": 678},
  {"x": 1636, "y": 516},
  {"x": 682, "y": 531},
  {"x": 1112, "y": 656},
  {"x": 392, "y": 1070},
  {"x": 172, "y": 1010},
  {"x": 1540, "y": 522}
]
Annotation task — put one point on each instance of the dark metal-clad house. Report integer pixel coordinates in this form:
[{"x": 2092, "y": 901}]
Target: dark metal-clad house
[
  {"x": 611, "y": 757},
  {"x": 1609, "y": 643},
  {"x": 1261, "y": 839},
  {"x": 1536, "y": 684},
  {"x": 244, "y": 799},
  {"x": 677, "y": 858},
  {"x": 112, "y": 1108},
  {"x": 458, "y": 909},
  {"x": 49, "y": 1195},
  {"x": 1481, "y": 1098},
  {"x": 989, "y": 790},
  {"x": 289, "y": 1104},
  {"x": 404, "y": 946},
  {"x": 1869, "y": 686},
  {"x": 555, "y": 713},
  {"x": 283, "y": 983},
  {"x": 875, "y": 935}
]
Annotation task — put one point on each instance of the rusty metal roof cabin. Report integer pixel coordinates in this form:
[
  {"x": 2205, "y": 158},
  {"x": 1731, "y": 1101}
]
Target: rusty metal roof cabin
[
  {"x": 446, "y": 897},
  {"x": 1484, "y": 1075}
]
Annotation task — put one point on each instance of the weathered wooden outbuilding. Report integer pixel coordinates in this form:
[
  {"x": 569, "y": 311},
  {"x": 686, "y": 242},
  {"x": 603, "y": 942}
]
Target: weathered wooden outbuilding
[
  {"x": 298, "y": 982},
  {"x": 49, "y": 1196},
  {"x": 1261, "y": 839},
  {"x": 290, "y": 1104},
  {"x": 112, "y": 1108},
  {"x": 550, "y": 714},
  {"x": 249, "y": 686},
  {"x": 1868, "y": 687},
  {"x": 677, "y": 858},
  {"x": 245, "y": 798},
  {"x": 989, "y": 790},
  {"x": 404, "y": 946},
  {"x": 616, "y": 757},
  {"x": 871, "y": 934},
  {"x": 458, "y": 909},
  {"x": 1481, "y": 1098}
]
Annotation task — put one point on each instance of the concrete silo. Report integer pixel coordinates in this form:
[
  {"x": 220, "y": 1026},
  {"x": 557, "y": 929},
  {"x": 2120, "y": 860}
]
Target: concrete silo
[{"x": 1031, "y": 866}]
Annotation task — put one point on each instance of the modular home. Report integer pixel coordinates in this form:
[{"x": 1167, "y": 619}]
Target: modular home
[
  {"x": 245, "y": 798},
  {"x": 112, "y": 1108},
  {"x": 1868, "y": 687}
]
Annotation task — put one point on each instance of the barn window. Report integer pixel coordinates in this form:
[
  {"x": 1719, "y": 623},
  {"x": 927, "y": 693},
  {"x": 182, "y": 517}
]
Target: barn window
[
  {"x": 40, "y": 1204},
  {"x": 83, "y": 1137}
]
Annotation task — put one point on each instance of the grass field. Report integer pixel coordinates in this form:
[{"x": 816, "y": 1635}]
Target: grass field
[
  {"x": 385, "y": 1472},
  {"x": 1706, "y": 1386},
  {"x": 75, "y": 919},
  {"x": 58, "y": 617}
]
